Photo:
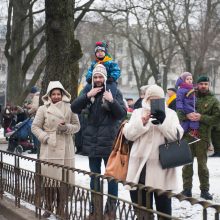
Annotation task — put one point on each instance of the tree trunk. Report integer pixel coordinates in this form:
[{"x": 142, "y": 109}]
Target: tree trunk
[
  {"x": 14, "y": 82},
  {"x": 19, "y": 56},
  {"x": 62, "y": 50}
]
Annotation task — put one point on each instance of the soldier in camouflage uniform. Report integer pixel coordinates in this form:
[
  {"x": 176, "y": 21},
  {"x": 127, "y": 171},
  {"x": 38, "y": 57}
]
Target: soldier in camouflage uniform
[
  {"x": 208, "y": 114},
  {"x": 215, "y": 134}
]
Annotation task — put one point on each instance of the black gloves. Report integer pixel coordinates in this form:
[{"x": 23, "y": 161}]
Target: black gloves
[{"x": 159, "y": 117}]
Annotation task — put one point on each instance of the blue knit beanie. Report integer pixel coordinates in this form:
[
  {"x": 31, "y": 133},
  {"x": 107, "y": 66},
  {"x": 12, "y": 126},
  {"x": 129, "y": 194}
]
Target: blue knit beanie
[{"x": 33, "y": 89}]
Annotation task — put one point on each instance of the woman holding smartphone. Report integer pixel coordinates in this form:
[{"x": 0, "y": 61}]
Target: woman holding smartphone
[
  {"x": 54, "y": 126},
  {"x": 148, "y": 130}
]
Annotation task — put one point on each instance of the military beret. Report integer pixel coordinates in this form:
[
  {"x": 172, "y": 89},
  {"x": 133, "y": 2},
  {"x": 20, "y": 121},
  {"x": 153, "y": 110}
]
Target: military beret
[{"x": 203, "y": 79}]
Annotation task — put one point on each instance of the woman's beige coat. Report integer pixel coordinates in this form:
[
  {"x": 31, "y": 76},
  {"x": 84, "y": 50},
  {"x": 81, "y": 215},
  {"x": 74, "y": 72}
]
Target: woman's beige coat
[
  {"x": 145, "y": 149},
  {"x": 56, "y": 146}
]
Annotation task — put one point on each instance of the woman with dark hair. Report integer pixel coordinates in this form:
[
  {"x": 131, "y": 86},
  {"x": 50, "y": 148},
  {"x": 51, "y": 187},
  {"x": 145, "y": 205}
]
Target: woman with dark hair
[
  {"x": 7, "y": 118},
  {"x": 54, "y": 126}
]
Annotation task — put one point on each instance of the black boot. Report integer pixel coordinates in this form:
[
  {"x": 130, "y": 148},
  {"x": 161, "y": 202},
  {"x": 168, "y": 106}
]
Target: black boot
[
  {"x": 187, "y": 192},
  {"x": 206, "y": 195}
]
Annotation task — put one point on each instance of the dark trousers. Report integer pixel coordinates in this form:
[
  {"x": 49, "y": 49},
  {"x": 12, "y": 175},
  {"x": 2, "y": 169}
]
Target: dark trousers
[
  {"x": 95, "y": 167},
  {"x": 163, "y": 203},
  {"x": 199, "y": 150}
]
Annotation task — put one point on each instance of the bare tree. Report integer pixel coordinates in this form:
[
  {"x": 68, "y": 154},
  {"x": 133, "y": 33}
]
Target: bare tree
[
  {"x": 195, "y": 25},
  {"x": 19, "y": 56},
  {"x": 156, "y": 46}
]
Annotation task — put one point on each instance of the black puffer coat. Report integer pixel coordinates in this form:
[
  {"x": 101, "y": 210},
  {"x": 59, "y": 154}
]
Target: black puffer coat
[{"x": 100, "y": 125}]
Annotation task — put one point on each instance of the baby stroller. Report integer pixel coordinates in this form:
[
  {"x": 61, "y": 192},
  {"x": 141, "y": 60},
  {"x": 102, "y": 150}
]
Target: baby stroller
[{"x": 21, "y": 138}]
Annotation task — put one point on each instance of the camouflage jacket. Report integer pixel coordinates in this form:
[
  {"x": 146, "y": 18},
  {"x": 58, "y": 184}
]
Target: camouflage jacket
[{"x": 209, "y": 108}]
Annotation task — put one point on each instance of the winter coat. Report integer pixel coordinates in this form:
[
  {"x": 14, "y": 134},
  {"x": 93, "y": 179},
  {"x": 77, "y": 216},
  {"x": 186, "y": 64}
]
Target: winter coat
[
  {"x": 171, "y": 102},
  {"x": 101, "y": 124},
  {"x": 7, "y": 118},
  {"x": 209, "y": 108},
  {"x": 111, "y": 66},
  {"x": 186, "y": 99},
  {"x": 56, "y": 146},
  {"x": 145, "y": 149},
  {"x": 138, "y": 103}
]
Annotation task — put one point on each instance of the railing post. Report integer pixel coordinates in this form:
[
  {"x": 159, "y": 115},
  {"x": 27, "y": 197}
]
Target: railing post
[
  {"x": 140, "y": 213},
  {"x": 98, "y": 198},
  {"x": 38, "y": 179},
  {"x": 204, "y": 214},
  {"x": 217, "y": 216},
  {"x": 17, "y": 181},
  {"x": 1, "y": 176},
  {"x": 63, "y": 194}
]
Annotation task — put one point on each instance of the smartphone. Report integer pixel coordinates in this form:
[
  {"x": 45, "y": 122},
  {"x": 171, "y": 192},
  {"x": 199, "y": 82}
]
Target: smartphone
[{"x": 157, "y": 104}]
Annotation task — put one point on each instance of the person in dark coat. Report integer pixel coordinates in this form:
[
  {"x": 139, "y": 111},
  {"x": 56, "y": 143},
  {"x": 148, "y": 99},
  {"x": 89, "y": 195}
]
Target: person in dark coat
[
  {"x": 7, "y": 118},
  {"x": 171, "y": 101},
  {"x": 103, "y": 113},
  {"x": 138, "y": 103}
]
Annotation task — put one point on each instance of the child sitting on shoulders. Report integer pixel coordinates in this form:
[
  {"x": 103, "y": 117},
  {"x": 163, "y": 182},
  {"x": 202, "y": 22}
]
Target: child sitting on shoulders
[{"x": 112, "y": 68}]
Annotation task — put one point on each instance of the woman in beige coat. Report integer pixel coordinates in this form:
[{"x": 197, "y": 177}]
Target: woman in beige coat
[
  {"x": 147, "y": 134},
  {"x": 54, "y": 126}
]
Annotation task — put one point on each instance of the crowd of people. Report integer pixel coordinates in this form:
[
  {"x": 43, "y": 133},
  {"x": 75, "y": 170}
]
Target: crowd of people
[{"x": 95, "y": 115}]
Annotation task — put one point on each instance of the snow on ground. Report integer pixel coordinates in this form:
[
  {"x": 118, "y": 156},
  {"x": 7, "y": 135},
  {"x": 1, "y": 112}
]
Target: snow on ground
[{"x": 183, "y": 210}]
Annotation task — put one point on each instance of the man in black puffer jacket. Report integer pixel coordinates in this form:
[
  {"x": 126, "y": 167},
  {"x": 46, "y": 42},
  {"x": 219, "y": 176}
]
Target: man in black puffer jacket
[{"x": 102, "y": 113}]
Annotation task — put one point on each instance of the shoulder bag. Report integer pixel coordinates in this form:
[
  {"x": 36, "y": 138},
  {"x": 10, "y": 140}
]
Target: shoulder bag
[
  {"x": 117, "y": 165},
  {"x": 174, "y": 154}
]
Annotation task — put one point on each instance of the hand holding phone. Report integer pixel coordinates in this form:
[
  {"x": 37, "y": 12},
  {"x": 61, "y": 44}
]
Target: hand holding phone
[
  {"x": 157, "y": 104},
  {"x": 158, "y": 110}
]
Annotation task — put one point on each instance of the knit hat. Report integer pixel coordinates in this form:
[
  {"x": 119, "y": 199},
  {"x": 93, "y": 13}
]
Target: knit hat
[
  {"x": 101, "y": 45},
  {"x": 172, "y": 89},
  {"x": 33, "y": 89},
  {"x": 154, "y": 90},
  {"x": 184, "y": 75},
  {"x": 203, "y": 79},
  {"x": 99, "y": 68}
]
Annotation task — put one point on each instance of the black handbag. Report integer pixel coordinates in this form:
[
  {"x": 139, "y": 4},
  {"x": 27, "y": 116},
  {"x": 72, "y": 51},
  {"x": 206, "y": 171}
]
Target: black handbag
[{"x": 174, "y": 154}]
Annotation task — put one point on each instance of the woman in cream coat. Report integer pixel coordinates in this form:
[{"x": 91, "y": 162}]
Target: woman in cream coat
[
  {"x": 148, "y": 132},
  {"x": 54, "y": 126}
]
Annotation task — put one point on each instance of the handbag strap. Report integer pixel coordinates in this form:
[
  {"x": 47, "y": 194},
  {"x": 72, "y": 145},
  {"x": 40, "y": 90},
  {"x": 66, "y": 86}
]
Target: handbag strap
[
  {"x": 117, "y": 145},
  {"x": 178, "y": 137}
]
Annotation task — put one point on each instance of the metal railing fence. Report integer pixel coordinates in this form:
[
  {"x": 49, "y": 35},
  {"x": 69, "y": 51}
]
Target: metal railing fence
[{"x": 74, "y": 201}]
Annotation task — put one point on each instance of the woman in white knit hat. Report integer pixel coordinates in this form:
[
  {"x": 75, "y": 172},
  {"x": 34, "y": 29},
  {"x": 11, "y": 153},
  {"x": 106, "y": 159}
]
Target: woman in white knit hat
[{"x": 147, "y": 132}]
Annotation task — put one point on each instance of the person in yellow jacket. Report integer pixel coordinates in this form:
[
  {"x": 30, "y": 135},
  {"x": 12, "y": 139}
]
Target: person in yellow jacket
[{"x": 171, "y": 101}]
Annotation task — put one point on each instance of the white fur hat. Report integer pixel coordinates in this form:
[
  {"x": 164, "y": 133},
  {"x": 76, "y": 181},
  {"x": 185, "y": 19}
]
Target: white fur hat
[
  {"x": 99, "y": 68},
  {"x": 154, "y": 90}
]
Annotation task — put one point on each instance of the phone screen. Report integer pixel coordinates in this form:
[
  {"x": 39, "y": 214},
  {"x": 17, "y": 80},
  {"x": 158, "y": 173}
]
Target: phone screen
[{"x": 157, "y": 104}]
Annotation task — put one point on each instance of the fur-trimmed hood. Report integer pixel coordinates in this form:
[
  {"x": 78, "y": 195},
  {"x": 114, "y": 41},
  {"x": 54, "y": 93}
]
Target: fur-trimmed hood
[{"x": 55, "y": 85}]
